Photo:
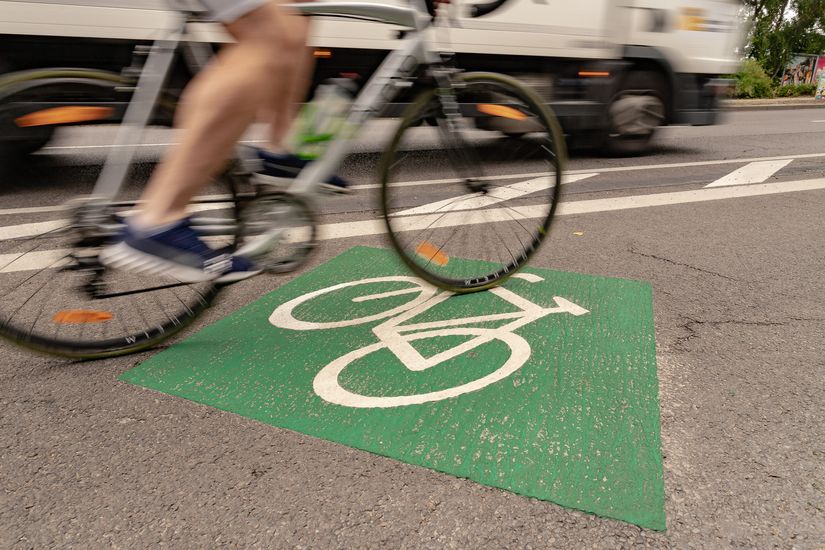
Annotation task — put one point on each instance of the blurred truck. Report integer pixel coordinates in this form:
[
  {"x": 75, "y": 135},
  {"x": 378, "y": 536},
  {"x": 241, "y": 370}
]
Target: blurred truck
[{"x": 612, "y": 70}]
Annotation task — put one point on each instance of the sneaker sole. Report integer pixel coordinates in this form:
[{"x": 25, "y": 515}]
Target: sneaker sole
[{"x": 124, "y": 257}]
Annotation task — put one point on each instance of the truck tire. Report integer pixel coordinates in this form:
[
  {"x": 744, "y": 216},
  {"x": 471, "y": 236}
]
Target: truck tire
[{"x": 635, "y": 112}]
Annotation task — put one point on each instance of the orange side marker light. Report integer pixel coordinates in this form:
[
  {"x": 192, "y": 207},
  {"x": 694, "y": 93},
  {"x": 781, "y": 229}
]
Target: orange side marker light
[
  {"x": 81, "y": 316},
  {"x": 63, "y": 115},
  {"x": 431, "y": 253},
  {"x": 502, "y": 111}
]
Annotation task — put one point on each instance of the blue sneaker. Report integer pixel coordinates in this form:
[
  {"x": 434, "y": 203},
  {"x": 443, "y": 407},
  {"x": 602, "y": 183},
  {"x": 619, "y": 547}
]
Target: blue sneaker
[
  {"x": 176, "y": 252},
  {"x": 287, "y": 165}
]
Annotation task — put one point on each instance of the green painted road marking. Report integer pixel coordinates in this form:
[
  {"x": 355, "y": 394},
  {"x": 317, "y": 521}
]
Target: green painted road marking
[{"x": 546, "y": 387}]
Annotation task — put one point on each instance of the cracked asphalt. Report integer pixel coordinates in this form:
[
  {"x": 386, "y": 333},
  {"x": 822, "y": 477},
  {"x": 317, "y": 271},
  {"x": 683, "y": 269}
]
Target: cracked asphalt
[{"x": 739, "y": 300}]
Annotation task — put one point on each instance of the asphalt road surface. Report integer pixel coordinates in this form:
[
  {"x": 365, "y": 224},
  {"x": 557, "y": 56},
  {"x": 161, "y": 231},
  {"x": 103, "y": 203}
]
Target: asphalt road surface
[{"x": 725, "y": 222}]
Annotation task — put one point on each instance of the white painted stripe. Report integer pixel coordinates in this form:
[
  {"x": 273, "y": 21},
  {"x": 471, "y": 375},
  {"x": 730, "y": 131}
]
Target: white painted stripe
[
  {"x": 30, "y": 229},
  {"x": 569, "y": 177},
  {"x": 161, "y": 144},
  {"x": 818, "y": 121},
  {"x": 634, "y": 168},
  {"x": 565, "y": 179},
  {"x": 63, "y": 207},
  {"x": 696, "y": 163},
  {"x": 755, "y": 172},
  {"x": 43, "y": 228},
  {"x": 43, "y": 259},
  {"x": 31, "y": 210},
  {"x": 375, "y": 227},
  {"x": 687, "y": 197},
  {"x": 471, "y": 201}
]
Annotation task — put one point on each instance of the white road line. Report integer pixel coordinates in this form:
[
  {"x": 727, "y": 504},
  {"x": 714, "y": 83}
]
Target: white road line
[
  {"x": 621, "y": 169},
  {"x": 569, "y": 177},
  {"x": 696, "y": 163},
  {"x": 341, "y": 230},
  {"x": 139, "y": 145},
  {"x": 32, "y": 210},
  {"x": 42, "y": 228},
  {"x": 375, "y": 227},
  {"x": 818, "y": 121},
  {"x": 755, "y": 172},
  {"x": 63, "y": 207},
  {"x": 30, "y": 229},
  {"x": 472, "y": 201},
  {"x": 43, "y": 259}
]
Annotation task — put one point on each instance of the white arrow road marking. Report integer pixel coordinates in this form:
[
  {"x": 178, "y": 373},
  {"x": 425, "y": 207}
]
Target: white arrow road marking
[
  {"x": 342, "y": 230},
  {"x": 755, "y": 172},
  {"x": 472, "y": 201}
]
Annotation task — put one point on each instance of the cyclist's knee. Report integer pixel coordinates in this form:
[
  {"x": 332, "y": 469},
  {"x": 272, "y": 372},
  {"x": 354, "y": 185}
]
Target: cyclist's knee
[{"x": 282, "y": 34}]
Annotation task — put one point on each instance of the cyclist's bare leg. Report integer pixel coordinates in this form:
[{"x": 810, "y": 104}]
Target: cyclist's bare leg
[
  {"x": 220, "y": 104},
  {"x": 287, "y": 95}
]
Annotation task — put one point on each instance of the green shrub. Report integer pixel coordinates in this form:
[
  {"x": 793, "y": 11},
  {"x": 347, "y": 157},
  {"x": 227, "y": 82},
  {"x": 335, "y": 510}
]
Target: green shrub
[
  {"x": 752, "y": 82},
  {"x": 796, "y": 90}
]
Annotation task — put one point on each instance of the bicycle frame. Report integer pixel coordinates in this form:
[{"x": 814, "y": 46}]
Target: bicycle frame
[{"x": 393, "y": 74}]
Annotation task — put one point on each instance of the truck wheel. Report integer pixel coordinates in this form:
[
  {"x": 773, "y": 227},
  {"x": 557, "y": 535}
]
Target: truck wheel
[{"x": 635, "y": 112}]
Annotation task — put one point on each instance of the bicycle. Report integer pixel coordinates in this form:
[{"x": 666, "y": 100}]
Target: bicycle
[
  {"x": 60, "y": 300},
  {"x": 396, "y": 334}
]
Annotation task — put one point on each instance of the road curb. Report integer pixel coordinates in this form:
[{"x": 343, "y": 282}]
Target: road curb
[{"x": 732, "y": 106}]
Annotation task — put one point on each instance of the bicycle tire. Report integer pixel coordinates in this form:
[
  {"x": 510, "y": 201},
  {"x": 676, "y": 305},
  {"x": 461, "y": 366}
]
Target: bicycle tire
[
  {"x": 425, "y": 235},
  {"x": 60, "y": 301}
]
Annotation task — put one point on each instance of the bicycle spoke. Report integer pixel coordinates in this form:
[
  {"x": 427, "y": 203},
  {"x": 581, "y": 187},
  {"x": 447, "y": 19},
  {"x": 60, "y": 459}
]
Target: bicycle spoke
[{"x": 478, "y": 214}]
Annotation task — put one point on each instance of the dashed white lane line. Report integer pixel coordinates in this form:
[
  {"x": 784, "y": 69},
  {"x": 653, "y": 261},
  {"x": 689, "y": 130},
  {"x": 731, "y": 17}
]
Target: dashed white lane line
[
  {"x": 47, "y": 258},
  {"x": 374, "y": 227},
  {"x": 495, "y": 196},
  {"x": 755, "y": 172}
]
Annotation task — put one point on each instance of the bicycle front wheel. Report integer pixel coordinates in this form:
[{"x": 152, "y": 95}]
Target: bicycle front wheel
[{"x": 495, "y": 180}]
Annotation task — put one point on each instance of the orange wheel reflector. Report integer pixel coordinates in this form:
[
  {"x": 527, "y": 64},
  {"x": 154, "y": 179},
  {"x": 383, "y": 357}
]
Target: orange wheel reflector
[
  {"x": 81, "y": 316},
  {"x": 502, "y": 111},
  {"x": 431, "y": 253},
  {"x": 63, "y": 115}
]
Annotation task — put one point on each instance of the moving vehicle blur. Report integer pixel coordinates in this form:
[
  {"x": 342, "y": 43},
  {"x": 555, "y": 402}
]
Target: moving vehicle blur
[{"x": 613, "y": 71}]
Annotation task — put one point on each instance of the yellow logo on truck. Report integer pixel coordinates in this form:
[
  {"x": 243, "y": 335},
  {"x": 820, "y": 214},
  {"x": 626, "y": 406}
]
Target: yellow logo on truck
[{"x": 692, "y": 19}]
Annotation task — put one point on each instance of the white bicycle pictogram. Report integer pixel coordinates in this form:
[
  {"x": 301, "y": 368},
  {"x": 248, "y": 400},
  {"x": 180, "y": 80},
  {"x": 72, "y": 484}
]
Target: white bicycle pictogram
[{"x": 396, "y": 336}]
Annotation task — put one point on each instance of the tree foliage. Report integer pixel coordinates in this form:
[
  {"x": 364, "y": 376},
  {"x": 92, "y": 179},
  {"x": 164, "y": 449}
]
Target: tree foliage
[{"x": 782, "y": 28}]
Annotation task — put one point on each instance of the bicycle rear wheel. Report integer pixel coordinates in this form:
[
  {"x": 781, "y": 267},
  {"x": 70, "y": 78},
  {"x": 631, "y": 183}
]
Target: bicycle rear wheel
[
  {"x": 58, "y": 299},
  {"x": 476, "y": 226}
]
